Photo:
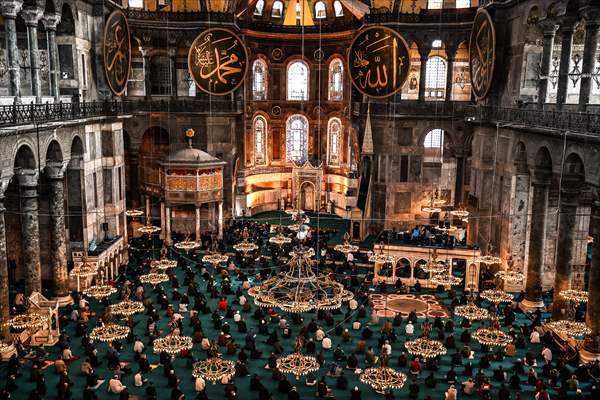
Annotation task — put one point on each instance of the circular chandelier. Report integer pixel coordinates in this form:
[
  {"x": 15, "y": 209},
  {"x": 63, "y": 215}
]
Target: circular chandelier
[
  {"x": 445, "y": 279},
  {"x": 425, "y": 347},
  {"x": 569, "y": 328},
  {"x": 84, "y": 269},
  {"x": 383, "y": 377},
  {"x": 579, "y": 296},
  {"x": 346, "y": 247},
  {"x": 163, "y": 264},
  {"x": 109, "y": 332},
  {"x": 299, "y": 289},
  {"x": 510, "y": 276},
  {"x": 245, "y": 246},
  {"x": 154, "y": 278},
  {"x": 496, "y": 296},
  {"x": 148, "y": 229},
  {"x": 214, "y": 368},
  {"x": 215, "y": 258},
  {"x": 431, "y": 209},
  {"x": 298, "y": 364},
  {"x": 309, "y": 252},
  {"x": 492, "y": 337},
  {"x": 134, "y": 213},
  {"x": 382, "y": 258},
  {"x": 488, "y": 259},
  {"x": 471, "y": 312},
  {"x": 172, "y": 344},
  {"x": 99, "y": 291},
  {"x": 187, "y": 245},
  {"x": 280, "y": 239},
  {"x": 30, "y": 320},
  {"x": 460, "y": 213},
  {"x": 127, "y": 308},
  {"x": 433, "y": 265}
]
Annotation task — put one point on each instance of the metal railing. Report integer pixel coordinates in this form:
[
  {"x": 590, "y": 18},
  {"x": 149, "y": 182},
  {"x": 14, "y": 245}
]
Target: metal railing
[{"x": 21, "y": 114}]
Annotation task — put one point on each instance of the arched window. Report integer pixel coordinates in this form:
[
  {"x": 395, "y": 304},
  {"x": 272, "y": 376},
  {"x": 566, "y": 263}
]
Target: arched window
[
  {"x": 161, "y": 76},
  {"x": 435, "y": 78},
  {"x": 434, "y": 139},
  {"x": 260, "y": 140},
  {"x": 258, "y": 9},
  {"x": 297, "y": 138},
  {"x": 337, "y": 8},
  {"x": 436, "y": 44},
  {"x": 259, "y": 80},
  {"x": 463, "y": 3},
  {"x": 435, "y": 4},
  {"x": 297, "y": 81},
  {"x": 434, "y": 146},
  {"x": 320, "y": 12},
  {"x": 334, "y": 130},
  {"x": 277, "y": 10},
  {"x": 336, "y": 80}
]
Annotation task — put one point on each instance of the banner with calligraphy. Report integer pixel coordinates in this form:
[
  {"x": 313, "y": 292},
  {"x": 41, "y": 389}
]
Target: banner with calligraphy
[
  {"x": 482, "y": 53},
  {"x": 117, "y": 52},
  {"x": 378, "y": 61},
  {"x": 217, "y": 61}
]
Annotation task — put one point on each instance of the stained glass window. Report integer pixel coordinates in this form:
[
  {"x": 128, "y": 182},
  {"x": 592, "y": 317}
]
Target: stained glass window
[
  {"x": 297, "y": 81},
  {"x": 336, "y": 80},
  {"x": 260, "y": 129},
  {"x": 259, "y": 86},
  {"x": 334, "y": 130},
  {"x": 297, "y": 138}
]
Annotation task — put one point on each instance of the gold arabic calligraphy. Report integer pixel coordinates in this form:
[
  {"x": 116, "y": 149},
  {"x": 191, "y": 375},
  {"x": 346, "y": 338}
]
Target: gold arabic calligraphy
[
  {"x": 482, "y": 54},
  {"x": 117, "y": 52},
  {"x": 378, "y": 61},
  {"x": 217, "y": 61}
]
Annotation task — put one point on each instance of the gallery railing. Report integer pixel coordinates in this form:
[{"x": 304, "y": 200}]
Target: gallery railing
[{"x": 20, "y": 114}]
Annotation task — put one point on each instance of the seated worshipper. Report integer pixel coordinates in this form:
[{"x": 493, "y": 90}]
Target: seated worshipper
[
  {"x": 415, "y": 367},
  {"x": 451, "y": 393},
  {"x": 115, "y": 385},
  {"x": 469, "y": 387}
]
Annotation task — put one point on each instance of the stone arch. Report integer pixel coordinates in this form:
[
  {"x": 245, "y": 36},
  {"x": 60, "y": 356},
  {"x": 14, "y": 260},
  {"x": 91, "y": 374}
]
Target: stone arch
[
  {"x": 574, "y": 168},
  {"x": 75, "y": 191},
  {"x": 54, "y": 152},
  {"x": 25, "y": 158},
  {"x": 520, "y": 158}
]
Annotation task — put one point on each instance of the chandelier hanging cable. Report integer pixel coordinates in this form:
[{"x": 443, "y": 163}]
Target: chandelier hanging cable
[
  {"x": 214, "y": 368},
  {"x": 299, "y": 288}
]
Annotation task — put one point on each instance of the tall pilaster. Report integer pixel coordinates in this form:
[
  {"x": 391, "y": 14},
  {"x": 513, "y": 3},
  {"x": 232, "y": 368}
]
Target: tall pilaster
[
  {"x": 31, "y": 16},
  {"x": 537, "y": 238},
  {"x": 58, "y": 242},
  {"x": 4, "y": 300},
  {"x": 549, "y": 30},
  {"x": 198, "y": 227},
  {"x": 459, "y": 184},
  {"x": 50, "y": 23},
  {"x": 591, "y": 346},
  {"x": 147, "y": 71},
  {"x": 451, "y": 52},
  {"x": 564, "y": 251},
  {"x": 592, "y": 26},
  {"x": 30, "y": 228},
  {"x": 567, "y": 29},
  {"x": 220, "y": 220},
  {"x": 173, "y": 69},
  {"x": 9, "y": 10},
  {"x": 168, "y": 225}
]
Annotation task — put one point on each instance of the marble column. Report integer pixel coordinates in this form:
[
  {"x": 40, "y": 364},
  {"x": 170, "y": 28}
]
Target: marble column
[
  {"x": 589, "y": 59},
  {"x": 9, "y": 10},
  {"x": 162, "y": 220},
  {"x": 197, "y": 232},
  {"x": 30, "y": 229},
  {"x": 591, "y": 345},
  {"x": 549, "y": 30},
  {"x": 537, "y": 236},
  {"x": 566, "y": 31},
  {"x": 460, "y": 180},
  {"x": 423, "y": 75},
  {"x": 50, "y": 23},
  {"x": 450, "y": 75},
  {"x": 58, "y": 242},
  {"x": 173, "y": 69},
  {"x": 564, "y": 251},
  {"x": 220, "y": 220},
  {"x": 168, "y": 225},
  {"x": 148, "y": 210},
  {"x": 147, "y": 72},
  {"x": 4, "y": 301},
  {"x": 32, "y": 16}
]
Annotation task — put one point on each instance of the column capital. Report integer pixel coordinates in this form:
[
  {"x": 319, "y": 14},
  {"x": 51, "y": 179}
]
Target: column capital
[
  {"x": 27, "y": 177},
  {"x": 32, "y": 15},
  {"x": 567, "y": 25},
  {"x": 51, "y": 21},
  {"x": 548, "y": 27},
  {"x": 56, "y": 170},
  {"x": 10, "y": 8}
]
